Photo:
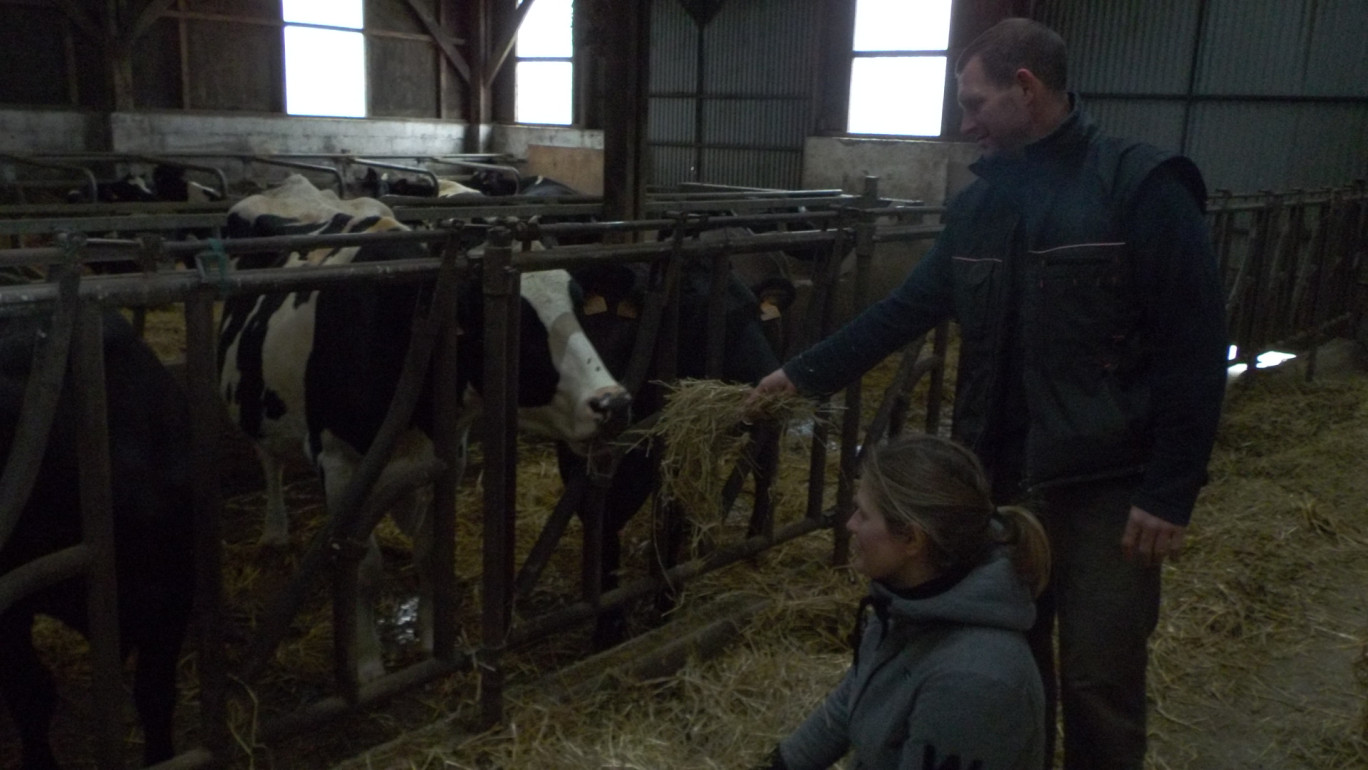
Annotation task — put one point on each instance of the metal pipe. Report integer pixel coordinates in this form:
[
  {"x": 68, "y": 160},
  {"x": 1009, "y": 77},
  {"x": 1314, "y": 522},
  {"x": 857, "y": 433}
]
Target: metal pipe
[
  {"x": 97, "y": 531},
  {"x": 398, "y": 167},
  {"x": 91, "y": 185},
  {"x": 501, "y": 295},
  {"x": 277, "y": 161}
]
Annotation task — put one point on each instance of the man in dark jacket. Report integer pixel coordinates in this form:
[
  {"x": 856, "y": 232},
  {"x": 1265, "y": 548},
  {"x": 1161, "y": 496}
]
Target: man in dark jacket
[{"x": 1092, "y": 363}]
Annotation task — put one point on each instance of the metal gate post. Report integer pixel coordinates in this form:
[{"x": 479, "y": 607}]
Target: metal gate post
[{"x": 501, "y": 315}]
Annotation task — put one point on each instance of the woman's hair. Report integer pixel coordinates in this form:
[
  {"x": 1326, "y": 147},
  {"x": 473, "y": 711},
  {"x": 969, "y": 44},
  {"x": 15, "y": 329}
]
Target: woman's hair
[
  {"x": 938, "y": 486},
  {"x": 1014, "y": 44}
]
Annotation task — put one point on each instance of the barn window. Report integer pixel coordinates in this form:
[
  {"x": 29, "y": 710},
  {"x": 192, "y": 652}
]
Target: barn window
[
  {"x": 325, "y": 58},
  {"x": 897, "y": 76},
  {"x": 544, "y": 68}
]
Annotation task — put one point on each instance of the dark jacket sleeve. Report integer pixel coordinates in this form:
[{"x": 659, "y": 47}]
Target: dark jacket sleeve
[
  {"x": 922, "y": 301},
  {"x": 824, "y": 736},
  {"x": 1185, "y": 323}
]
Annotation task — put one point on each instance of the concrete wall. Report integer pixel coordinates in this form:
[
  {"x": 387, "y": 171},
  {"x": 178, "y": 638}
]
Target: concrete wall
[
  {"x": 169, "y": 132},
  {"x": 49, "y": 130},
  {"x": 907, "y": 168},
  {"x": 57, "y": 130}
]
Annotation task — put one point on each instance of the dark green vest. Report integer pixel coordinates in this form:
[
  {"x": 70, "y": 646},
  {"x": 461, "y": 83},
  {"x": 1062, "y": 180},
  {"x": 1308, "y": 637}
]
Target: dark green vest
[{"x": 1052, "y": 348}]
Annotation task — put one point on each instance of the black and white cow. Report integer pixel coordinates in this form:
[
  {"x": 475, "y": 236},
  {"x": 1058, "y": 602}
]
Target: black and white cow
[
  {"x": 149, "y": 450},
  {"x": 375, "y": 185},
  {"x": 318, "y": 369},
  {"x": 611, "y": 320},
  {"x": 167, "y": 184}
]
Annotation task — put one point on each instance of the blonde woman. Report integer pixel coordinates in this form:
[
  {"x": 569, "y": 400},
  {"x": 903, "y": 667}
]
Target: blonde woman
[{"x": 943, "y": 676}]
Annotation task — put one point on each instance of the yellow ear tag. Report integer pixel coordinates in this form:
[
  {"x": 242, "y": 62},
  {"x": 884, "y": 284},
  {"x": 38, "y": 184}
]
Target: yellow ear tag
[
  {"x": 769, "y": 311},
  {"x": 595, "y": 304},
  {"x": 626, "y": 309}
]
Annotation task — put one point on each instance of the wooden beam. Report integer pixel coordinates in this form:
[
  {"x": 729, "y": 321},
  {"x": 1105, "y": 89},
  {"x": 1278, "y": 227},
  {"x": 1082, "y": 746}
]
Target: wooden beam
[
  {"x": 505, "y": 46},
  {"x": 477, "y": 15},
  {"x": 441, "y": 38},
  {"x": 628, "y": 62},
  {"x": 81, "y": 19},
  {"x": 144, "y": 19}
]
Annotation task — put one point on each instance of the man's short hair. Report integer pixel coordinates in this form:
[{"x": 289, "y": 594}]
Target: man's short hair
[{"x": 1014, "y": 44}]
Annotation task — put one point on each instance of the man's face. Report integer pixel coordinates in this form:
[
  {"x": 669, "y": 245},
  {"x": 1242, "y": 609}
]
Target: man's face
[{"x": 995, "y": 117}]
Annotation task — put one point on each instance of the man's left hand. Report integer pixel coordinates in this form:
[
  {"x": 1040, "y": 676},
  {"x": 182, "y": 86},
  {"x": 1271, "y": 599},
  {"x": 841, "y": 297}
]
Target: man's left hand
[{"x": 1149, "y": 539}]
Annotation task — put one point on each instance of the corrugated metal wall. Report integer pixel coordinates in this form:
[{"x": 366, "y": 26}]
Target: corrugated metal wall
[
  {"x": 1263, "y": 94},
  {"x": 731, "y": 102}
]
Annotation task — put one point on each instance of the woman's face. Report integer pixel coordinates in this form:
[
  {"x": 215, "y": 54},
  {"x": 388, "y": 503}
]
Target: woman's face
[{"x": 875, "y": 551}]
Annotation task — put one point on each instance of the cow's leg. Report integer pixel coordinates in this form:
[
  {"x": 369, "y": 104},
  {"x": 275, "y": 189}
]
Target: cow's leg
[
  {"x": 370, "y": 661},
  {"x": 337, "y": 462},
  {"x": 275, "y": 530},
  {"x": 416, "y": 520},
  {"x": 28, "y": 690},
  {"x": 154, "y": 691}
]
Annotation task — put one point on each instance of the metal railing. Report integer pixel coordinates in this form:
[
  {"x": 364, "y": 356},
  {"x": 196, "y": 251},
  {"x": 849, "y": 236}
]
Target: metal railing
[{"x": 1293, "y": 264}]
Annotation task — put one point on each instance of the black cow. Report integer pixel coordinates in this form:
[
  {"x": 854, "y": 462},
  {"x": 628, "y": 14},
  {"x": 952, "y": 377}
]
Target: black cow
[
  {"x": 612, "y": 325},
  {"x": 149, "y": 449},
  {"x": 318, "y": 369}
]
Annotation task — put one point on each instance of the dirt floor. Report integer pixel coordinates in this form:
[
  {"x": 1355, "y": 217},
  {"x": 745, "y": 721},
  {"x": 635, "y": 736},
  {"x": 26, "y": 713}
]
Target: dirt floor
[{"x": 1260, "y": 661}]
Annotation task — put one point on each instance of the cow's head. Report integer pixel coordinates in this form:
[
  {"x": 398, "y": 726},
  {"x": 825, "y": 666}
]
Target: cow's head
[{"x": 565, "y": 390}]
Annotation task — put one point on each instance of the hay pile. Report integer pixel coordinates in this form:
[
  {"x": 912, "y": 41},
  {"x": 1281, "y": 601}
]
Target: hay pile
[{"x": 1261, "y": 615}]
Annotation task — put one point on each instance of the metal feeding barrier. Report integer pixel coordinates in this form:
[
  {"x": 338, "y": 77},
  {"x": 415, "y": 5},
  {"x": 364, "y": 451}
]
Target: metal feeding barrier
[{"x": 1293, "y": 266}]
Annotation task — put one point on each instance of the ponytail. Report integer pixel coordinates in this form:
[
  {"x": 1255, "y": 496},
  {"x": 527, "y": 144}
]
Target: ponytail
[{"x": 1022, "y": 531}]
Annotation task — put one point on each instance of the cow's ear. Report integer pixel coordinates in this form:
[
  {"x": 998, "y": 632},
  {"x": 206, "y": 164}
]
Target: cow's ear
[
  {"x": 628, "y": 309},
  {"x": 778, "y": 292},
  {"x": 594, "y": 304}
]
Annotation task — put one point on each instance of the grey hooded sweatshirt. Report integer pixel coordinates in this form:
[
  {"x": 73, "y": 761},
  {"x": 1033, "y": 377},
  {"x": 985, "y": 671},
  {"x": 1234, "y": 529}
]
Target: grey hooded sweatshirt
[{"x": 943, "y": 680}]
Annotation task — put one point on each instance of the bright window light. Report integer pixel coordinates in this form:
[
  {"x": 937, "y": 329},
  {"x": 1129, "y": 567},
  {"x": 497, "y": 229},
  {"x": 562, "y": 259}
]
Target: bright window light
[
  {"x": 325, "y": 72},
  {"x": 897, "y": 73},
  {"x": 546, "y": 30},
  {"x": 326, "y": 13},
  {"x": 914, "y": 109},
  {"x": 543, "y": 93},
  {"x": 1265, "y": 360},
  {"x": 544, "y": 73},
  {"x": 902, "y": 25}
]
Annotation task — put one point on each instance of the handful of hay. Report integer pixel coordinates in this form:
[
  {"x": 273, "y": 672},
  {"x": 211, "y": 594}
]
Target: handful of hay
[{"x": 701, "y": 428}]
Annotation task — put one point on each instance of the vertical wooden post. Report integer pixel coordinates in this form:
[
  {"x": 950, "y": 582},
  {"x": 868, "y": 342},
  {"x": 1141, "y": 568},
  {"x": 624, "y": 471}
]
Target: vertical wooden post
[
  {"x": 628, "y": 60},
  {"x": 477, "y": 95}
]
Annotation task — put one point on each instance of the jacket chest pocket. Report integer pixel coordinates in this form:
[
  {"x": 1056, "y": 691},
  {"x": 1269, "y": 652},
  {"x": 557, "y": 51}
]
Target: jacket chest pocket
[
  {"x": 976, "y": 285},
  {"x": 1080, "y": 291}
]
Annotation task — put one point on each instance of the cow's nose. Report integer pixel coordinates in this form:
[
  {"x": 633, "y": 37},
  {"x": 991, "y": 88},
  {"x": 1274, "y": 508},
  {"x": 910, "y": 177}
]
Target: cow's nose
[
  {"x": 612, "y": 403},
  {"x": 613, "y": 409}
]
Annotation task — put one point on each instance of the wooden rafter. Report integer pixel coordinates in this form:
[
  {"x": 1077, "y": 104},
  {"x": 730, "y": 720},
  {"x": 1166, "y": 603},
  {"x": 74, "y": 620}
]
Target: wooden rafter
[
  {"x": 144, "y": 19},
  {"x": 505, "y": 46},
  {"x": 702, "y": 11},
  {"x": 442, "y": 39}
]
